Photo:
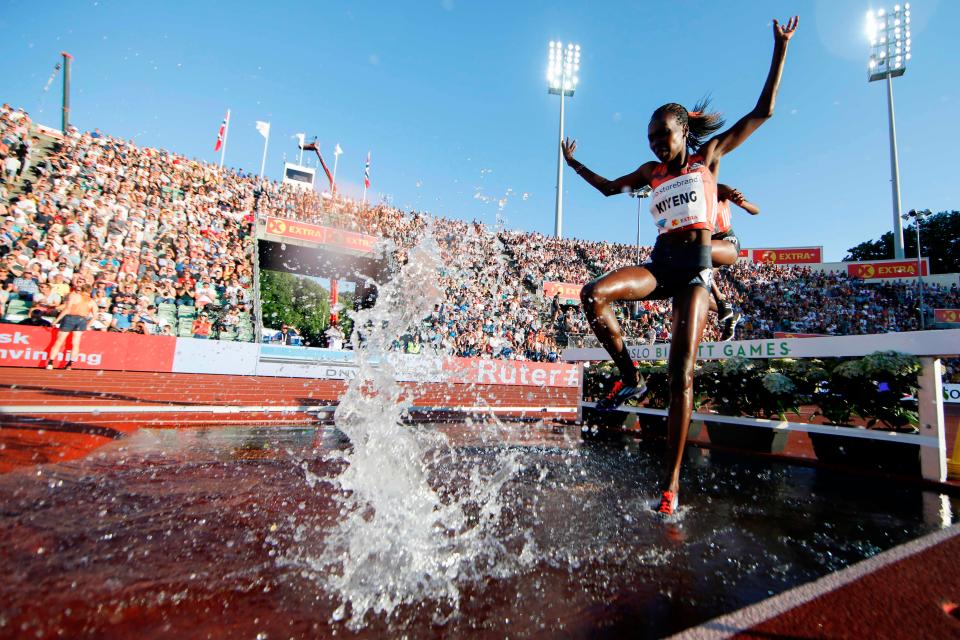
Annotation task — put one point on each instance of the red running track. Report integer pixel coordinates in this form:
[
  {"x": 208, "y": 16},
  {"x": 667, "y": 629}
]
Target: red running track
[
  {"x": 32, "y": 431},
  {"x": 911, "y": 591}
]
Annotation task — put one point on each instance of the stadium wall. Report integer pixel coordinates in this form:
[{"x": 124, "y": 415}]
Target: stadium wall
[{"x": 24, "y": 346}]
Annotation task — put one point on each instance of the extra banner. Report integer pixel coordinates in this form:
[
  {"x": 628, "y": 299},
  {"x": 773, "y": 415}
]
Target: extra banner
[
  {"x": 946, "y": 315},
  {"x": 886, "y": 269},
  {"x": 569, "y": 293},
  {"x": 789, "y": 255},
  {"x": 336, "y": 238}
]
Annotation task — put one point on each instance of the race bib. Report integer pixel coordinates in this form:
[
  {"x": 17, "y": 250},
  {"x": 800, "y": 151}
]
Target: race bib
[{"x": 679, "y": 202}]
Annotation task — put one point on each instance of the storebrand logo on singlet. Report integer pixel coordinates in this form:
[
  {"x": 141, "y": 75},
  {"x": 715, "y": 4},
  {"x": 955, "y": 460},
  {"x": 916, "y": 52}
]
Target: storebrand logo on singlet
[{"x": 679, "y": 202}]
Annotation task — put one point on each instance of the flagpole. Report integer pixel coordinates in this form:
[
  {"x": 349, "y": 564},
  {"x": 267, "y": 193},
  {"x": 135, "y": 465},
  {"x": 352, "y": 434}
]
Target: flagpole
[
  {"x": 366, "y": 178},
  {"x": 226, "y": 132},
  {"x": 300, "y": 161},
  {"x": 263, "y": 162}
]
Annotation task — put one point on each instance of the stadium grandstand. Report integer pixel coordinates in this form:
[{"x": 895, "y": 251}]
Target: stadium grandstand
[{"x": 161, "y": 238}]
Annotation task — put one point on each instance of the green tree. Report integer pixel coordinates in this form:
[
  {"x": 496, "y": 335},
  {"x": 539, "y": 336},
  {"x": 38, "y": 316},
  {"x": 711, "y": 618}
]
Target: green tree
[
  {"x": 296, "y": 301},
  {"x": 344, "y": 321},
  {"x": 939, "y": 237}
]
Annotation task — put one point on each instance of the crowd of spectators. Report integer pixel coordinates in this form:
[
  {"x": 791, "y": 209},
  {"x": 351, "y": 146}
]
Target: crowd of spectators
[
  {"x": 150, "y": 231},
  {"x": 147, "y": 229}
]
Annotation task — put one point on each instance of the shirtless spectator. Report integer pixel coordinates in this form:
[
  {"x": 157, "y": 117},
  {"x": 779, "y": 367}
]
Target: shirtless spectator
[{"x": 77, "y": 311}]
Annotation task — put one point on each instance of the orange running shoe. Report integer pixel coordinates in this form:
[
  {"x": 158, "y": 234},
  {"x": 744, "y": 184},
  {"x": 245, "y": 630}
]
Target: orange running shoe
[
  {"x": 668, "y": 503},
  {"x": 621, "y": 393}
]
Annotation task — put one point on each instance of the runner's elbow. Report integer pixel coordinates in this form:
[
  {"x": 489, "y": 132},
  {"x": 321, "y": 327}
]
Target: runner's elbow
[{"x": 763, "y": 112}]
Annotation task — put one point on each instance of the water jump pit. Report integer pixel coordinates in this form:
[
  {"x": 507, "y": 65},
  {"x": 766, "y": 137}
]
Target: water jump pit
[
  {"x": 516, "y": 530},
  {"x": 372, "y": 526}
]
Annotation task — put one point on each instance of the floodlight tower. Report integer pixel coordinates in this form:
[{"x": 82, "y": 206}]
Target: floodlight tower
[
  {"x": 889, "y": 33},
  {"x": 562, "y": 69}
]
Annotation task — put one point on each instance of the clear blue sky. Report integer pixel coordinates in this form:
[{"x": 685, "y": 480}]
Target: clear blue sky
[{"x": 450, "y": 96}]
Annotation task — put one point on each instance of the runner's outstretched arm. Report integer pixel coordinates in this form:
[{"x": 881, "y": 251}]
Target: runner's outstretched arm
[
  {"x": 733, "y": 137},
  {"x": 623, "y": 184},
  {"x": 725, "y": 192}
]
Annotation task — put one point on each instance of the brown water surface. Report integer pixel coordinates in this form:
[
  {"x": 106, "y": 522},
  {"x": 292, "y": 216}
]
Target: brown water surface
[{"x": 203, "y": 534}]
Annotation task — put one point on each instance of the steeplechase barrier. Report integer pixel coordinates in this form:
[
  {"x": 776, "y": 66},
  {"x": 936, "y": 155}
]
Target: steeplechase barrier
[{"x": 929, "y": 346}]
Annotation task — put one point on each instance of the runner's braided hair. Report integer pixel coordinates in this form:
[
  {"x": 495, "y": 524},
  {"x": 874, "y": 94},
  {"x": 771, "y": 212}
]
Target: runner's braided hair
[{"x": 701, "y": 124}]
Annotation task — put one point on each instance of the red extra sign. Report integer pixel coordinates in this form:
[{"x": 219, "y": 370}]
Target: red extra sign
[
  {"x": 793, "y": 255},
  {"x": 569, "y": 293},
  {"x": 885, "y": 269},
  {"x": 946, "y": 315},
  {"x": 22, "y": 346},
  {"x": 336, "y": 238}
]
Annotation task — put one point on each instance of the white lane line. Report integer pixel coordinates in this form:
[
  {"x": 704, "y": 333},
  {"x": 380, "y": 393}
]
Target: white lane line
[
  {"x": 36, "y": 409},
  {"x": 740, "y": 621},
  {"x": 167, "y": 408},
  {"x": 484, "y": 409}
]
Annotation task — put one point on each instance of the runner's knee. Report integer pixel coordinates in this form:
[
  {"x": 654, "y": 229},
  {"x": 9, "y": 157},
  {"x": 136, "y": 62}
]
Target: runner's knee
[
  {"x": 590, "y": 296},
  {"x": 681, "y": 380}
]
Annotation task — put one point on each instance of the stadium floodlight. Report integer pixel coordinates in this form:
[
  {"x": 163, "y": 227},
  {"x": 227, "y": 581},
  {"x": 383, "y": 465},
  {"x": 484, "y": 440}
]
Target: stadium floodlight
[
  {"x": 890, "y": 42},
  {"x": 918, "y": 217},
  {"x": 640, "y": 194},
  {"x": 563, "y": 67}
]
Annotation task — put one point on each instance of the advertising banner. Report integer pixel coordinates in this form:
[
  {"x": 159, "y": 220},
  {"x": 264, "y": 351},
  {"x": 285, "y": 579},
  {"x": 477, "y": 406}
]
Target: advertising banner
[
  {"x": 942, "y": 342},
  {"x": 787, "y": 334},
  {"x": 885, "y": 269},
  {"x": 511, "y": 372},
  {"x": 946, "y": 315},
  {"x": 569, "y": 293},
  {"x": 790, "y": 255},
  {"x": 23, "y": 346},
  {"x": 330, "y": 364},
  {"x": 215, "y": 356},
  {"x": 334, "y": 238},
  {"x": 951, "y": 393}
]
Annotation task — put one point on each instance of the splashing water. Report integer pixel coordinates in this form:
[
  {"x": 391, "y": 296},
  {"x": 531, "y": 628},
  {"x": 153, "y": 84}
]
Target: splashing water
[{"x": 400, "y": 540}]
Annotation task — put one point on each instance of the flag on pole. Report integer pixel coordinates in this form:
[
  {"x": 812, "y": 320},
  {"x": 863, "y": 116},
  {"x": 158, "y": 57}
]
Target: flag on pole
[
  {"x": 223, "y": 131},
  {"x": 366, "y": 173},
  {"x": 337, "y": 150},
  {"x": 301, "y": 137},
  {"x": 264, "y": 129}
]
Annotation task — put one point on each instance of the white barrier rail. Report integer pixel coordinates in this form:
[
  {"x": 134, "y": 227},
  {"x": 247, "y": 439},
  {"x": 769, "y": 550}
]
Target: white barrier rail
[{"x": 929, "y": 346}]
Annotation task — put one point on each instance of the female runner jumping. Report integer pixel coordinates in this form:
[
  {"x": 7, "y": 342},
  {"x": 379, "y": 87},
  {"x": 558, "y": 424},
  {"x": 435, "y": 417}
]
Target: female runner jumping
[
  {"x": 726, "y": 251},
  {"x": 683, "y": 205}
]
